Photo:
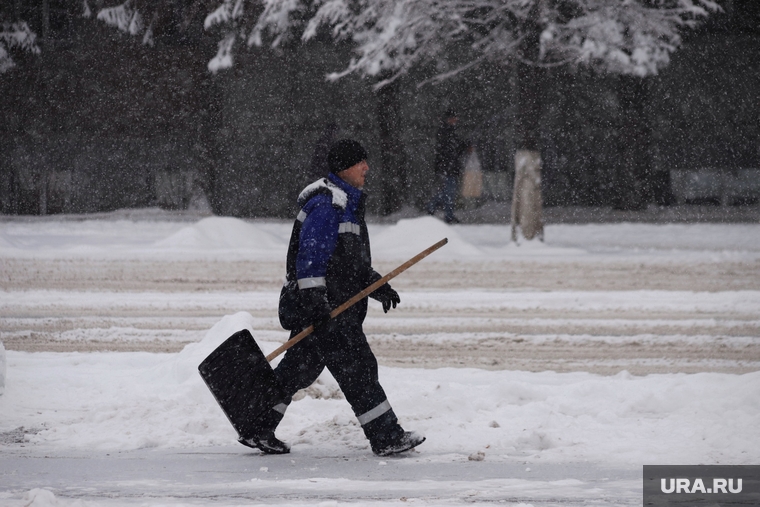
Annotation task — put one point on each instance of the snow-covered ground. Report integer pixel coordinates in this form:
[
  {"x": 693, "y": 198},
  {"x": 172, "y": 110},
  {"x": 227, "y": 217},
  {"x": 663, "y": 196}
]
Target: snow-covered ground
[{"x": 95, "y": 426}]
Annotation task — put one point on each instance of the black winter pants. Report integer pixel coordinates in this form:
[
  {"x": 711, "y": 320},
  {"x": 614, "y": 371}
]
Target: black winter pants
[{"x": 343, "y": 349}]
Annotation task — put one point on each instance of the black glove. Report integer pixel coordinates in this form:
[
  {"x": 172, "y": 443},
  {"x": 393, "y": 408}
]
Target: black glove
[
  {"x": 316, "y": 306},
  {"x": 387, "y": 296},
  {"x": 289, "y": 308}
]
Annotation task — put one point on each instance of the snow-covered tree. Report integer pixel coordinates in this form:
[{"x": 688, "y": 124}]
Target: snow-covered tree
[
  {"x": 625, "y": 37},
  {"x": 15, "y": 37},
  {"x": 145, "y": 18}
]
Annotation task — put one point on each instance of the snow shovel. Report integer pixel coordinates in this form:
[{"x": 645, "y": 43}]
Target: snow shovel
[{"x": 241, "y": 379}]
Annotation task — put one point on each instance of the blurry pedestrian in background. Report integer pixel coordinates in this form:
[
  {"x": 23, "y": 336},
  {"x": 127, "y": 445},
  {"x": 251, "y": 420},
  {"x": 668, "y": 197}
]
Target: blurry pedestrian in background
[
  {"x": 472, "y": 179},
  {"x": 449, "y": 151},
  {"x": 318, "y": 167}
]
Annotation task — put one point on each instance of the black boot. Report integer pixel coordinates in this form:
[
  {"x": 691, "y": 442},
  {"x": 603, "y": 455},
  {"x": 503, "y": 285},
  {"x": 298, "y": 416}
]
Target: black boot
[
  {"x": 409, "y": 440},
  {"x": 268, "y": 444},
  {"x": 261, "y": 434},
  {"x": 386, "y": 436}
]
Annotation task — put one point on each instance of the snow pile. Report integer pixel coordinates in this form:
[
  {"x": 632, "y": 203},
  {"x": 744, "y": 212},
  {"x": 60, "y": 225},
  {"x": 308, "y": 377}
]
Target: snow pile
[
  {"x": 138, "y": 400},
  {"x": 87, "y": 238},
  {"x": 185, "y": 366},
  {"x": 579, "y": 416},
  {"x": 143, "y": 239},
  {"x": 224, "y": 233},
  {"x": 409, "y": 237},
  {"x": 39, "y": 497},
  {"x": 227, "y": 238}
]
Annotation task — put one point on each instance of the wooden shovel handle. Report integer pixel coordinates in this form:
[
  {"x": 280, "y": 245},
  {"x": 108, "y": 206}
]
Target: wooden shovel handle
[{"x": 366, "y": 292}]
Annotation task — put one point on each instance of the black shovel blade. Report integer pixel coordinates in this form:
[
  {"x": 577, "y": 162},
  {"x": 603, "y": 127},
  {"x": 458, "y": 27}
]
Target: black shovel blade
[{"x": 242, "y": 381}]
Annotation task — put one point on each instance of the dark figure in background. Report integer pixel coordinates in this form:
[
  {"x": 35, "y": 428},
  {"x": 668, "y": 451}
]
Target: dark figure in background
[
  {"x": 449, "y": 151},
  {"x": 318, "y": 167},
  {"x": 328, "y": 262}
]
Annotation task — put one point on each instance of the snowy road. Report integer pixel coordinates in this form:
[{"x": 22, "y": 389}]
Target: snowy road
[
  {"x": 562, "y": 330},
  {"x": 232, "y": 476}
]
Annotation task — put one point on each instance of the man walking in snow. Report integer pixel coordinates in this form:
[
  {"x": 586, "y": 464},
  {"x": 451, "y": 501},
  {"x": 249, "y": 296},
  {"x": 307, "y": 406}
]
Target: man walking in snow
[
  {"x": 449, "y": 149},
  {"x": 328, "y": 262}
]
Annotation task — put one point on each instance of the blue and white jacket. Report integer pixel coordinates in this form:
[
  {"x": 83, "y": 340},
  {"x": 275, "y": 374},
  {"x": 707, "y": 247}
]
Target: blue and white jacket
[{"x": 329, "y": 246}]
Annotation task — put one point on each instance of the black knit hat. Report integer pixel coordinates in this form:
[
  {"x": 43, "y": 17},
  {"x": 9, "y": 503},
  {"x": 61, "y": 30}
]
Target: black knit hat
[{"x": 344, "y": 154}]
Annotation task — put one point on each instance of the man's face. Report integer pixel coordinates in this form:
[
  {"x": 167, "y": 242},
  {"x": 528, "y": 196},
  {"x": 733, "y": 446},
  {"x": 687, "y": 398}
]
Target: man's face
[{"x": 355, "y": 175}]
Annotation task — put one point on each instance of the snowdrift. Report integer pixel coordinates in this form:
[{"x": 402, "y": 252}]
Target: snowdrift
[
  {"x": 158, "y": 400},
  {"x": 224, "y": 233}
]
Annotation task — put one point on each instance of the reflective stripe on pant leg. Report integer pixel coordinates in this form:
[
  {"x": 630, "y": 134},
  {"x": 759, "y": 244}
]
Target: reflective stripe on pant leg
[
  {"x": 281, "y": 408},
  {"x": 373, "y": 414}
]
